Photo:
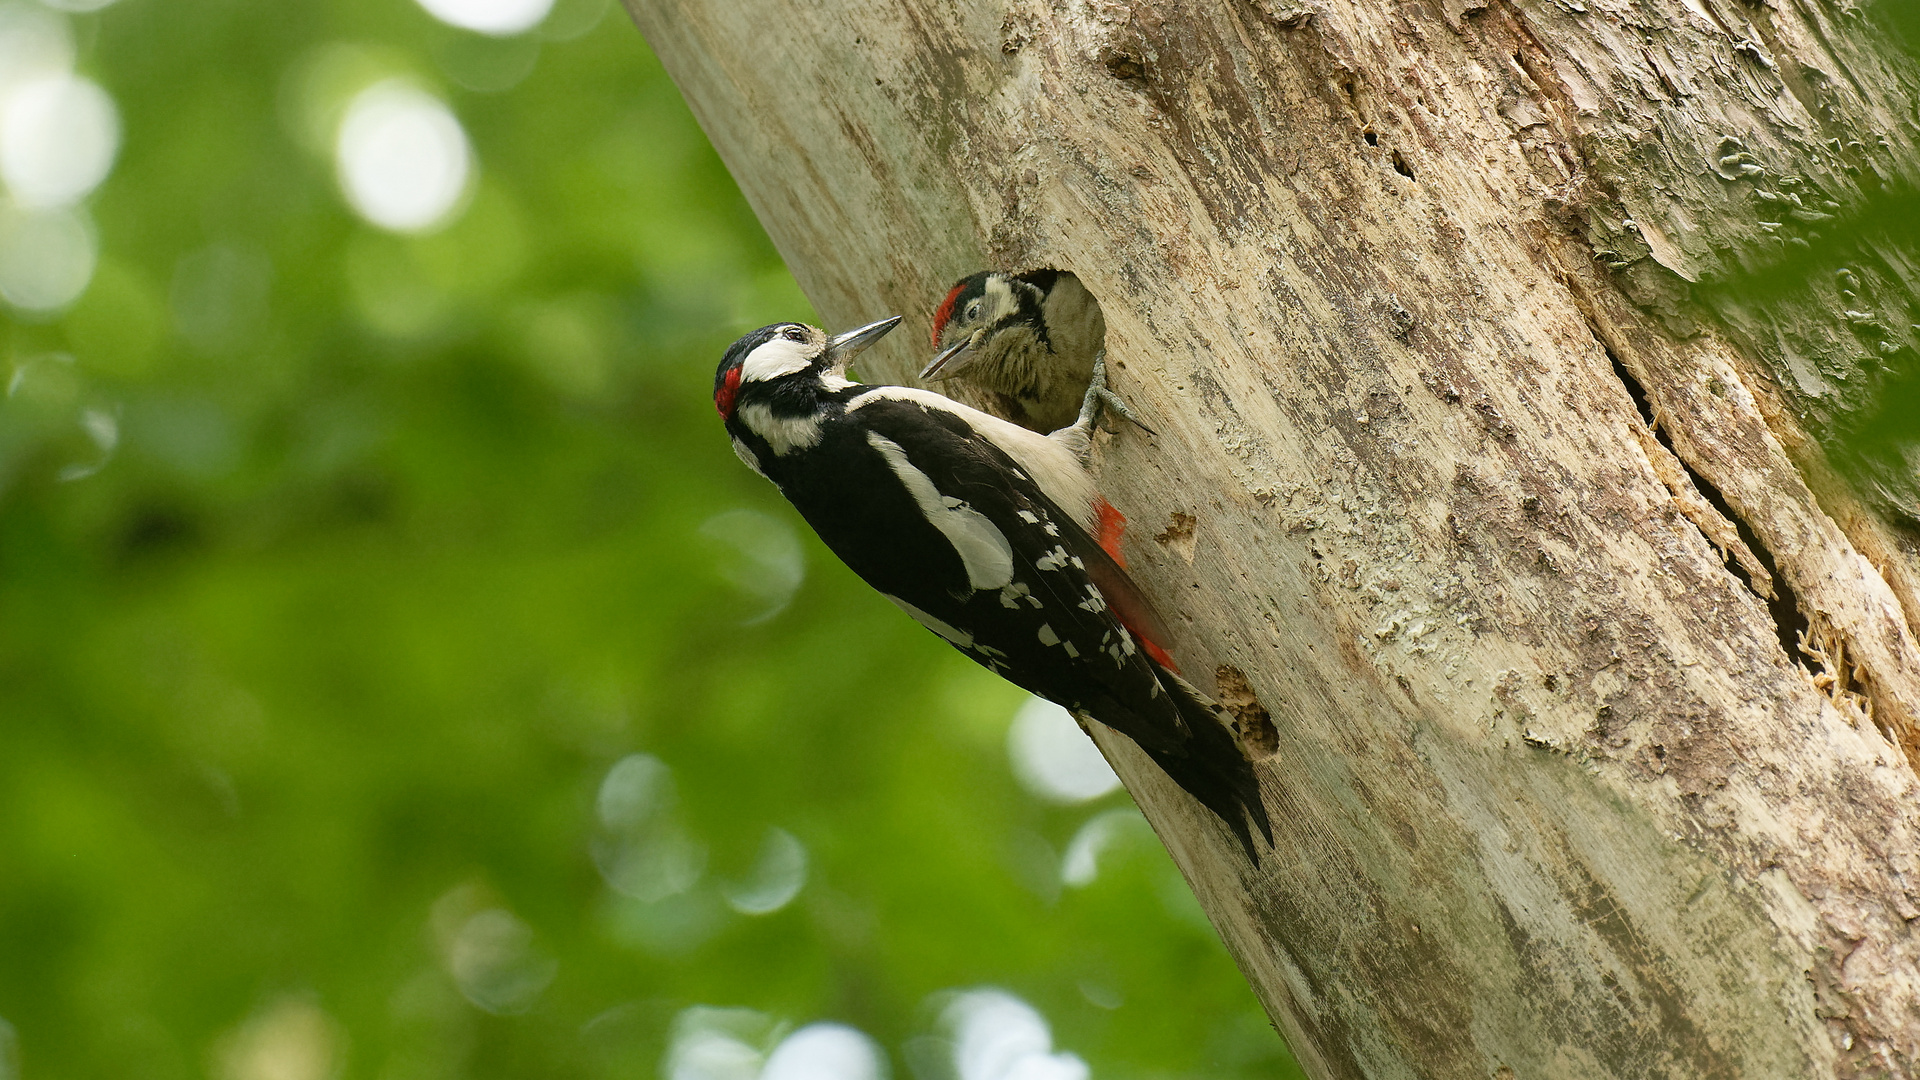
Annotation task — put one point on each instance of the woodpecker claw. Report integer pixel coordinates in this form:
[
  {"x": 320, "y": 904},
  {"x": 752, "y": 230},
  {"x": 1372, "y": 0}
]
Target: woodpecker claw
[{"x": 1098, "y": 395}]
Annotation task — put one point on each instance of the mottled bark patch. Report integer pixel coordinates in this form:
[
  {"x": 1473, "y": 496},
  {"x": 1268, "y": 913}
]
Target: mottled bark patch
[{"x": 1251, "y": 720}]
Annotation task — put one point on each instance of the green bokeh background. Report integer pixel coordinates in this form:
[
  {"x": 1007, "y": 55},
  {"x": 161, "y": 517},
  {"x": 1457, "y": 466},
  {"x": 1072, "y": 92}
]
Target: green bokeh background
[{"x": 399, "y": 549}]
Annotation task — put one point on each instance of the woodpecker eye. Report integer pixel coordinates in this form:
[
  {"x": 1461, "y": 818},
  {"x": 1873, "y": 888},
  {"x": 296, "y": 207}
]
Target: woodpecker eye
[
  {"x": 794, "y": 333},
  {"x": 973, "y": 311}
]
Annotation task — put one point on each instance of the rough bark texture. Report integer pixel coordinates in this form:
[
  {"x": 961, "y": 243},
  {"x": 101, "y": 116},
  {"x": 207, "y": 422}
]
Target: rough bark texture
[{"x": 1475, "y": 470}]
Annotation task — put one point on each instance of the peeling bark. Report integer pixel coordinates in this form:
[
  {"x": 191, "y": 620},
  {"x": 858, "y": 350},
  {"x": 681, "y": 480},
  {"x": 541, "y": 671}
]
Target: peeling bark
[{"x": 1510, "y": 523}]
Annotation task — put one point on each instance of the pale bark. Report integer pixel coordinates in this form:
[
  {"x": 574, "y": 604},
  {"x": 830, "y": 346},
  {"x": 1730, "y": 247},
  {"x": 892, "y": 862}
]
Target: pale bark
[{"x": 1552, "y": 796}]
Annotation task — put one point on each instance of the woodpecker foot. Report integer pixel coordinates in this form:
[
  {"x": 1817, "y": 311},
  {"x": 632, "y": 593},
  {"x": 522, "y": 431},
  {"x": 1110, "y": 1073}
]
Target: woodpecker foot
[{"x": 1098, "y": 395}]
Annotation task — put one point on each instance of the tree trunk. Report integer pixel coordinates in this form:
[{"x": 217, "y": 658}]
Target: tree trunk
[{"x": 1475, "y": 468}]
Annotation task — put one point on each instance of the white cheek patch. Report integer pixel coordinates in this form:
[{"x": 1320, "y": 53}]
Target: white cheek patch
[
  {"x": 776, "y": 358},
  {"x": 999, "y": 299},
  {"x": 982, "y": 547}
]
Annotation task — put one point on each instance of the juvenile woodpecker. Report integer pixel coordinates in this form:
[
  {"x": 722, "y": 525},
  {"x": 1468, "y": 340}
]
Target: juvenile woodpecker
[
  {"x": 1029, "y": 339},
  {"x": 983, "y": 532}
]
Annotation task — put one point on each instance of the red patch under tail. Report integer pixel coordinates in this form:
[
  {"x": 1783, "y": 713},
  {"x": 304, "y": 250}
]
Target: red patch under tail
[
  {"x": 1153, "y": 650},
  {"x": 1124, "y": 598},
  {"x": 1110, "y": 526}
]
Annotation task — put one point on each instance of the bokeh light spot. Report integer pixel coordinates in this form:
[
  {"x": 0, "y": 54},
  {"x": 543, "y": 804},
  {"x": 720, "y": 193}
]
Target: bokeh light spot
[
  {"x": 58, "y": 137},
  {"x": 1053, "y": 758},
  {"x": 493, "y": 961},
  {"x": 78, "y": 5},
  {"x": 997, "y": 1036},
  {"x": 290, "y": 1039},
  {"x": 760, "y": 555},
  {"x": 826, "y": 1052},
  {"x": 46, "y": 257},
  {"x": 496, "y": 17},
  {"x": 779, "y": 872},
  {"x": 103, "y": 430},
  {"x": 662, "y": 862},
  {"x": 34, "y": 43},
  {"x": 638, "y": 789},
  {"x": 643, "y": 851},
  {"x": 717, "y": 1044},
  {"x": 1081, "y": 864},
  {"x": 403, "y": 158}
]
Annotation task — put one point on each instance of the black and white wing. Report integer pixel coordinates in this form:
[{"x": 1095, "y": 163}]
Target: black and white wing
[{"x": 949, "y": 528}]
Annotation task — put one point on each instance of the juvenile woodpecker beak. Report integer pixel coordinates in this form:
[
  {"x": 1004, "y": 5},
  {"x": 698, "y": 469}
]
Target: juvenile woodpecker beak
[
  {"x": 842, "y": 348},
  {"x": 947, "y": 356}
]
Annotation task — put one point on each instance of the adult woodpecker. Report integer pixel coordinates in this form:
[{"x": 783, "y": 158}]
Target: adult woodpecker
[
  {"x": 983, "y": 532},
  {"x": 1028, "y": 339}
]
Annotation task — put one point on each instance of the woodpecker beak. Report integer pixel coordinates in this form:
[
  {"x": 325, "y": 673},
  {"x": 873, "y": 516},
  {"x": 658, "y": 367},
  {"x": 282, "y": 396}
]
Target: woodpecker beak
[
  {"x": 842, "y": 348},
  {"x": 947, "y": 356}
]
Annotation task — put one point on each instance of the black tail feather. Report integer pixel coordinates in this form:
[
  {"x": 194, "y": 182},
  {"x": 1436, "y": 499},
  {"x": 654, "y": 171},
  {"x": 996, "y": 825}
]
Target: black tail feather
[{"x": 1212, "y": 767}]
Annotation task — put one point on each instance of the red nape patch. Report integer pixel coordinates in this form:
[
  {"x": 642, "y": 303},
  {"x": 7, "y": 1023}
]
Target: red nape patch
[
  {"x": 723, "y": 397},
  {"x": 1111, "y": 526},
  {"x": 944, "y": 313}
]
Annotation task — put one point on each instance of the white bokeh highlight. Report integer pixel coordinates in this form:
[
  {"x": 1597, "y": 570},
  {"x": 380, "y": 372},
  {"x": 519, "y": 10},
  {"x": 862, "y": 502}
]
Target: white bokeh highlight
[
  {"x": 103, "y": 430},
  {"x": 46, "y": 256},
  {"x": 642, "y": 849},
  {"x": 1081, "y": 863},
  {"x": 494, "y": 962},
  {"x": 402, "y": 157},
  {"x": 997, "y": 1036},
  {"x": 709, "y": 1043},
  {"x": 826, "y": 1051},
  {"x": 34, "y": 43},
  {"x": 499, "y": 18},
  {"x": 291, "y": 1038},
  {"x": 1053, "y": 758},
  {"x": 760, "y": 555},
  {"x": 778, "y": 873},
  {"x": 59, "y": 134}
]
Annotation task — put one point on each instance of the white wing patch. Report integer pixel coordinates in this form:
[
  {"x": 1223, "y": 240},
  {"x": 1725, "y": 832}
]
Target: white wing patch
[
  {"x": 982, "y": 547},
  {"x": 776, "y": 358},
  {"x": 1011, "y": 596},
  {"x": 784, "y": 433},
  {"x": 1051, "y": 464},
  {"x": 1052, "y": 560}
]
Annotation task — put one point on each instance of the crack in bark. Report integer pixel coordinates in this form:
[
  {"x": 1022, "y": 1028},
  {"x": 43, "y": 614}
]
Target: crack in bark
[
  {"x": 1808, "y": 637},
  {"x": 1764, "y": 580}
]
